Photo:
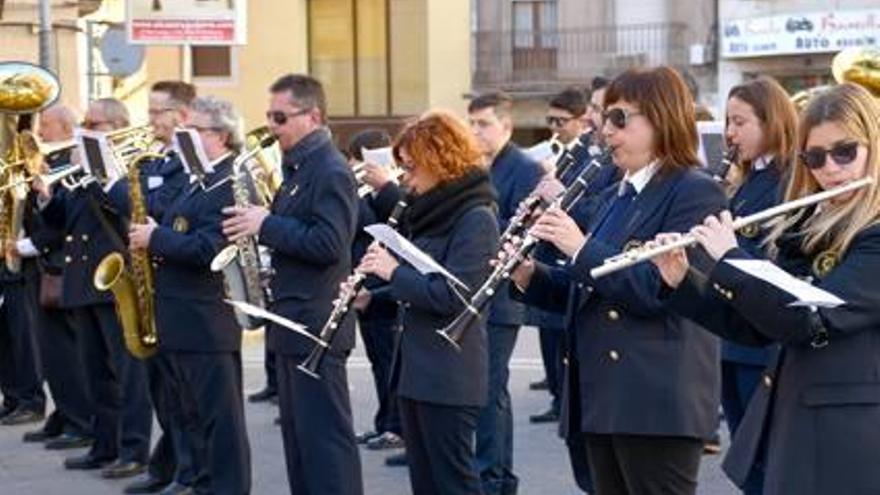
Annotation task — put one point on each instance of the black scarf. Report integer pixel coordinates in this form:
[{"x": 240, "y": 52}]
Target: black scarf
[{"x": 437, "y": 210}]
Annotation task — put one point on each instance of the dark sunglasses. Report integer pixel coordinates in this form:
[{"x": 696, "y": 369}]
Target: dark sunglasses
[
  {"x": 554, "y": 121},
  {"x": 841, "y": 153},
  {"x": 280, "y": 118},
  {"x": 618, "y": 117}
]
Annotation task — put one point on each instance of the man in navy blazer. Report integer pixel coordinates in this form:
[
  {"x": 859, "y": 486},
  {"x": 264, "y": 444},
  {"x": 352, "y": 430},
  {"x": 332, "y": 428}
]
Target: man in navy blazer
[
  {"x": 514, "y": 176},
  {"x": 310, "y": 229}
]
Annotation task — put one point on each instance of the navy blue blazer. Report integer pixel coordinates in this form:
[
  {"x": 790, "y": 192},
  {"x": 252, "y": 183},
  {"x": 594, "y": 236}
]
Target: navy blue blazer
[
  {"x": 310, "y": 232},
  {"x": 761, "y": 189},
  {"x": 514, "y": 176},
  {"x": 426, "y": 367},
  {"x": 162, "y": 181},
  {"x": 819, "y": 406},
  {"x": 636, "y": 367},
  {"x": 190, "y": 312},
  {"x": 86, "y": 242}
]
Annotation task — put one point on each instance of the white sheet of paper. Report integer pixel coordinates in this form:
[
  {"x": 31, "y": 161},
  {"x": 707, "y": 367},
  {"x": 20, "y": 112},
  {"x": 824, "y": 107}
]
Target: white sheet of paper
[
  {"x": 258, "y": 312},
  {"x": 541, "y": 151},
  {"x": 113, "y": 169},
  {"x": 807, "y": 294},
  {"x": 402, "y": 247},
  {"x": 379, "y": 156}
]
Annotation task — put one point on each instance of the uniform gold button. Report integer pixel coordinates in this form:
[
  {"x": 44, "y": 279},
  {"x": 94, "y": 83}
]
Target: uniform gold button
[
  {"x": 68, "y": 259},
  {"x": 768, "y": 382},
  {"x": 84, "y": 257},
  {"x": 565, "y": 361},
  {"x": 614, "y": 355},
  {"x": 613, "y": 315},
  {"x": 729, "y": 295},
  {"x": 69, "y": 238},
  {"x": 85, "y": 237}
]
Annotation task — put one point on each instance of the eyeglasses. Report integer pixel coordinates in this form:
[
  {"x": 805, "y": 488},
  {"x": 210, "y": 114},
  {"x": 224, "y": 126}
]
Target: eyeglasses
[
  {"x": 557, "y": 121},
  {"x": 841, "y": 153},
  {"x": 280, "y": 117},
  {"x": 618, "y": 117},
  {"x": 94, "y": 124}
]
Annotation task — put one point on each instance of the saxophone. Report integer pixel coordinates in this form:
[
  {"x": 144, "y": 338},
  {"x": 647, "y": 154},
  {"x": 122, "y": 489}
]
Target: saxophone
[
  {"x": 133, "y": 288},
  {"x": 240, "y": 262}
]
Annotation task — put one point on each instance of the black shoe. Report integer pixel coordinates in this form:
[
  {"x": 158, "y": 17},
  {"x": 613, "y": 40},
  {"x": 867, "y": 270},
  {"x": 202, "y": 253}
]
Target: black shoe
[
  {"x": 264, "y": 395},
  {"x": 549, "y": 416},
  {"x": 387, "y": 440},
  {"x": 22, "y": 416},
  {"x": 40, "y": 435},
  {"x": 396, "y": 460},
  {"x": 147, "y": 484},
  {"x": 123, "y": 469},
  {"x": 86, "y": 462},
  {"x": 539, "y": 385},
  {"x": 69, "y": 441},
  {"x": 366, "y": 436},
  {"x": 177, "y": 489}
]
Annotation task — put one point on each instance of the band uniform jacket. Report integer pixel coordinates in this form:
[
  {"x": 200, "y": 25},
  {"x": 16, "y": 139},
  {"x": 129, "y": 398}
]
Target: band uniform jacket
[
  {"x": 633, "y": 366},
  {"x": 818, "y": 406},
  {"x": 191, "y": 314},
  {"x": 162, "y": 180},
  {"x": 762, "y": 189},
  {"x": 86, "y": 242},
  {"x": 310, "y": 232}
]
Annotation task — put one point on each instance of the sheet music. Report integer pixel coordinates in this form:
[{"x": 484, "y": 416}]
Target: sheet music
[
  {"x": 541, "y": 151},
  {"x": 379, "y": 156},
  {"x": 807, "y": 294},
  {"x": 402, "y": 247},
  {"x": 97, "y": 157},
  {"x": 188, "y": 145}
]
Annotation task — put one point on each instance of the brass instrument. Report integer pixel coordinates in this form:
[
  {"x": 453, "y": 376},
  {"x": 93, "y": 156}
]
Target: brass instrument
[
  {"x": 132, "y": 286},
  {"x": 267, "y": 179},
  {"x": 859, "y": 65},
  {"x": 363, "y": 187},
  {"x": 26, "y": 88},
  {"x": 638, "y": 255},
  {"x": 240, "y": 262}
]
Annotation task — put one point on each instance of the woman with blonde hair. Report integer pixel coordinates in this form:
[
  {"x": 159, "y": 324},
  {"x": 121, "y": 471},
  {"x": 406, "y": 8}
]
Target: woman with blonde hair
[
  {"x": 818, "y": 408},
  {"x": 450, "y": 217}
]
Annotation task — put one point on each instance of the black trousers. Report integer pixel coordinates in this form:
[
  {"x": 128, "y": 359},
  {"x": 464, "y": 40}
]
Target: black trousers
[
  {"x": 25, "y": 379},
  {"x": 209, "y": 406},
  {"x": 551, "y": 342},
  {"x": 644, "y": 464},
  {"x": 378, "y": 335},
  {"x": 316, "y": 425},
  {"x": 172, "y": 456},
  {"x": 271, "y": 372},
  {"x": 123, "y": 415},
  {"x": 63, "y": 369},
  {"x": 439, "y": 448}
]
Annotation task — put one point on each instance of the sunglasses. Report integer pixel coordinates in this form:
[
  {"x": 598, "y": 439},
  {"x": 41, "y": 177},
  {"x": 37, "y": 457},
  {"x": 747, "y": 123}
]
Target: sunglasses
[
  {"x": 618, "y": 117},
  {"x": 554, "y": 121},
  {"x": 841, "y": 153},
  {"x": 280, "y": 117}
]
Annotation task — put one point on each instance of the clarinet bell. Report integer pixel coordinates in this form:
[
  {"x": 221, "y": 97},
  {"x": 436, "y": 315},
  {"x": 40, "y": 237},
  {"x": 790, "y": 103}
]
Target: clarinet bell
[
  {"x": 312, "y": 363},
  {"x": 454, "y": 331}
]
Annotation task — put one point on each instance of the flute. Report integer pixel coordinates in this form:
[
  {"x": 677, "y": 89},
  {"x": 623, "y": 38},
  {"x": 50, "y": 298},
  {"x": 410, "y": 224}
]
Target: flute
[{"x": 636, "y": 256}]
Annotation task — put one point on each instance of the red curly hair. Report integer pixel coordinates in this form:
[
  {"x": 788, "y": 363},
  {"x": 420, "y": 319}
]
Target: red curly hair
[{"x": 440, "y": 142}]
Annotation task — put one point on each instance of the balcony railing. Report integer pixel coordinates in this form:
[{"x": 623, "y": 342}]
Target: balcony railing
[{"x": 543, "y": 61}]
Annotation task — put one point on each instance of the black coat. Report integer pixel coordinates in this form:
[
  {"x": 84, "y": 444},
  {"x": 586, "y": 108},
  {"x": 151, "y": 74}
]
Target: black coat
[
  {"x": 635, "y": 367},
  {"x": 818, "y": 407},
  {"x": 162, "y": 181},
  {"x": 190, "y": 312},
  {"x": 310, "y": 232},
  {"x": 427, "y": 368}
]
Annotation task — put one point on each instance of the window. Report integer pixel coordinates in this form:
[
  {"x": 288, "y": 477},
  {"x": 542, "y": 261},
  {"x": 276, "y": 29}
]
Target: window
[
  {"x": 211, "y": 62},
  {"x": 535, "y": 24}
]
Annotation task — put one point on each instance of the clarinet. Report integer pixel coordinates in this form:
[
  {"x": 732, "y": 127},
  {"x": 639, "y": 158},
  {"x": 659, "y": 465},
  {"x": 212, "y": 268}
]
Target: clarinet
[
  {"x": 454, "y": 331},
  {"x": 730, "y": 157},
  {"x": 525, "y": 215},
  {"x": 343, "y": 306}
]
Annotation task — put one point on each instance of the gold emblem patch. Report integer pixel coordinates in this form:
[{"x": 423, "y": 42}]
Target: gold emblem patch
[
  {"x": 750, "y": 231},
  {"x": 824, "y": 263},
  {"x": 181, "y": 224}
]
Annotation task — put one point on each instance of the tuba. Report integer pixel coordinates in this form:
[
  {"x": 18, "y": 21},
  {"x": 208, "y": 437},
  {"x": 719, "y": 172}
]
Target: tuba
[
  {"x": 132, "y": 286},
  {"x": 240, "y": 262},
  {"x": 859, "y": 65}
]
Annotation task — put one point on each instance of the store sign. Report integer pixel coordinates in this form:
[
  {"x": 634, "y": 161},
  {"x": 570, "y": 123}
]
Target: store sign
[
  {"x": 794, "y": 34},
  {"x": 184, "y": 22}
]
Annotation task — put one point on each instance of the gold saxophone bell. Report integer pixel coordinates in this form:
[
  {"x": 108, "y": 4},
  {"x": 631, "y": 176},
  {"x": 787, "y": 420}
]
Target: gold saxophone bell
[{"x": 112, "y": 275}]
